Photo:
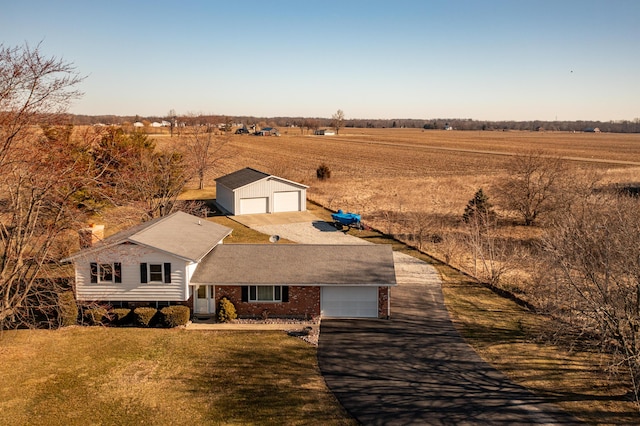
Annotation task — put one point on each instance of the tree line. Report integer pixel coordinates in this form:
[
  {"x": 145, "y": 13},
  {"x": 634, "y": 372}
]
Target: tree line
[{"x": 314, "y": 123}]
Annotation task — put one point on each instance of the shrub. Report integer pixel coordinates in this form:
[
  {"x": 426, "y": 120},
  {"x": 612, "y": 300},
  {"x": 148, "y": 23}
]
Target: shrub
[
  {"x": 173, "y": 316},
  {"x": 226, "y": 310},
  {"x": 95, "y": 315},
  {"x": 67, "y": 309},
  {"x": 323, "y": 172},
  {"x": 120, "y": 316},
  {"x": 144, "y": 316}
]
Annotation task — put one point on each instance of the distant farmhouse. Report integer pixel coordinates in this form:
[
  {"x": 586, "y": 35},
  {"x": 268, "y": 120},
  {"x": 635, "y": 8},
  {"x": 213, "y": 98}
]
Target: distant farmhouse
[{"x": 324, "y": 132}]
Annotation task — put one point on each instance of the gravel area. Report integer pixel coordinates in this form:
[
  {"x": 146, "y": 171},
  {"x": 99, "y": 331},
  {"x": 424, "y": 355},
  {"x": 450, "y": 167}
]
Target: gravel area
[{"x": 316, "y": 232}]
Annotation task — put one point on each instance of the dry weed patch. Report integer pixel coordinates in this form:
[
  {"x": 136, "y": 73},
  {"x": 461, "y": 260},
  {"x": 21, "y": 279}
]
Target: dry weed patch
[{"x": 509, "y": 337}]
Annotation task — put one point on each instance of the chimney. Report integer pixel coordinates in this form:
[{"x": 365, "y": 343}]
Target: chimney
[{"x": 91, "y": 235}]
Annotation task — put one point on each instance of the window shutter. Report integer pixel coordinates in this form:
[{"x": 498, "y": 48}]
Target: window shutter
[
  {"x": 117, "y": 272},
  {"x": 285, "y": 293},
  {"x": 245, "y": 293},
  {"x": 94, "y": 272},
  {"x": 167, "y": 273},
  {"x": 143, "y": 273}
]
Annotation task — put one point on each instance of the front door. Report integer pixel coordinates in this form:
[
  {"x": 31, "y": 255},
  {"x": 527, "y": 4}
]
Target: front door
[{"x": 205, "y": 300}]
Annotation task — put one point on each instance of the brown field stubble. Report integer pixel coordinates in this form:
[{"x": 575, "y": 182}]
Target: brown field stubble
[{"x": 420, "y": 170}]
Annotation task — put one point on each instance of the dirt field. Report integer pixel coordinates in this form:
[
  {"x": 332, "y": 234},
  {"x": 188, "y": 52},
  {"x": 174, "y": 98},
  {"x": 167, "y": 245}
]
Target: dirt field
[{"x": 420, "y": 170}]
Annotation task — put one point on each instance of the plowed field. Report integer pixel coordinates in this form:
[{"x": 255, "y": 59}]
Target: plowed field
[{"x": 420, "y": 170}]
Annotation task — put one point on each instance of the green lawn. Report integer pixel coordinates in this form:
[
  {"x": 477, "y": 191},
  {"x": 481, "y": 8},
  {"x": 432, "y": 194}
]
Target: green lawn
[{"x": 123, "y": 376}]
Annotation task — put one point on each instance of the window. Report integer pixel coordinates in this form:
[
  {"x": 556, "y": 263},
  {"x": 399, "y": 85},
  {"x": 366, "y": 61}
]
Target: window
[
  {"x": 155, "y": 272},
  {"x": 265, "y": 293},
  {"x": 106, "y": 273}
]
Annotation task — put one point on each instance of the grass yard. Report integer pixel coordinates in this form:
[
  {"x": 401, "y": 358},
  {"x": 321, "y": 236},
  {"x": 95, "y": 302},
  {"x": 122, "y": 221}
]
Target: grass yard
[{"x": 123, "y": 376}]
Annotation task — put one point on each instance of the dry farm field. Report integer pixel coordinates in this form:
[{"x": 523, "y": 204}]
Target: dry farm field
[{"x": 414, "y": 169}]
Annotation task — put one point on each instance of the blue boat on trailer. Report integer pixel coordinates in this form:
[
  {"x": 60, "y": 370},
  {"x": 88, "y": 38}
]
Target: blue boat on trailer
[{"x": 352, "y": 220}]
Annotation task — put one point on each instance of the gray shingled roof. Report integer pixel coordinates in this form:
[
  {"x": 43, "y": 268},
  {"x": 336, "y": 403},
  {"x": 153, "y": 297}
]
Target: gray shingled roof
[
  {"x": 241, "y": 178},
  {"x": 180, "y": 234},
  {"x": 297, "y": 264}
]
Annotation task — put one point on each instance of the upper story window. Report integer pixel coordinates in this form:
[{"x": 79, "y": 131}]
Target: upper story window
[
  {"x": 155, "y": 272},
  {"x": 104, "y": 273}
]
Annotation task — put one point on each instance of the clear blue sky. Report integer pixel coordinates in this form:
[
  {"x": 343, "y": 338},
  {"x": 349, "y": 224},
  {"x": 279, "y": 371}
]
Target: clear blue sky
[{"x": 483, "y": 59}]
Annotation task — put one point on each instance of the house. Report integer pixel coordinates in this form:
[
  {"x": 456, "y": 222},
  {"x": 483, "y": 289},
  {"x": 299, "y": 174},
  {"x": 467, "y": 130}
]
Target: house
[
  {"x": 267, "y": 131},
  {"x": 250, "y": 191},
  {"x": 324, "y": 132},
  {"x": 181, "y": 259},
  {"x": 151, "y": 263}
]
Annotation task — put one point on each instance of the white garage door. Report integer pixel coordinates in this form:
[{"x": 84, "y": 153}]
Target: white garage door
[
  {"x": 349, "y": 302},
  {"x": 286, "y": 201},
  {"x": 253, "y": 205}
]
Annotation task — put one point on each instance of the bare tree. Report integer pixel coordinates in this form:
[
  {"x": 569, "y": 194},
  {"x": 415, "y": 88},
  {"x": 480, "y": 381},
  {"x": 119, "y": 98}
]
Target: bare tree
[
  {"x": 204, "y": 150},
  {"x": 492, "y": 256},
  {"x": 337, "y": 121},
  {"x": 40, "y": 173},
  {"x": 534, "y": 186},
  {"x": 596, "y": 250}
]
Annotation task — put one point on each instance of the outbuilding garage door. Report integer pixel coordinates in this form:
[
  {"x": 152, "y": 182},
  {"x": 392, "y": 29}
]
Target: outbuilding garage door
[
  {"x": 288, "y": 201},
  {"x": 349, "y": 302},
  {"x": 253, "y": 205}
]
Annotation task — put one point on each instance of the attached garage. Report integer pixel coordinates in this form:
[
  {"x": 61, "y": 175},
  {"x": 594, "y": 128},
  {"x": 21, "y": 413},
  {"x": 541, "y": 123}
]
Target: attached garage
[
  {"x": 349, "y": 302},
  {"x": 249, "y": 191}
]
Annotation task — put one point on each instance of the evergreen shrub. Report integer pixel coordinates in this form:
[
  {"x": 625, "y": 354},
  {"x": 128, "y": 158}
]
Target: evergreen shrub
[
  {"x": 95, "y": 315},
  {"x": 121, "y": 316},
  {"x": 173, "y": 316},
  {"x": 144, "y": 316},
  {"x": 226, "y": 310}
]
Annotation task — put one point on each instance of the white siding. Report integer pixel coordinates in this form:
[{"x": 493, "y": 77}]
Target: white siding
[
  {"x": 224, "y": 197},
  {"x": 267, "y": 188},
  {"x": 131, "y": 289}
]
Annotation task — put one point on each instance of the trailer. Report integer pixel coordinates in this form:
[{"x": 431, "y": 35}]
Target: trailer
[{"x": 352, "y": 220}]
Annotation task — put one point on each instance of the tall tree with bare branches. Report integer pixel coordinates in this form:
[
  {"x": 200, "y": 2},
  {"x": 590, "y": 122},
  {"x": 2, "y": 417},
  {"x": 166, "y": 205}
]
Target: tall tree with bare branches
[
  {"x": 203, "y": 150},
  {"x": 534, "y": 186},
  {"x": 337, "y": 121},
  {"x": 40, "y": 173},
  {"x": 596, "y": 250}
]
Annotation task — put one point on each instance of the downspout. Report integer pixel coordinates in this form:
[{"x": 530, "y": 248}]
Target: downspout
[{"x": 388, "y": 302}]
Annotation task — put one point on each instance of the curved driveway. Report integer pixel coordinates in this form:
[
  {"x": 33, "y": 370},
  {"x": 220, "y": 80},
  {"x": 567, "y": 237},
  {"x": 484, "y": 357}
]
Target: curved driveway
[{"x": 415, "y": 368}]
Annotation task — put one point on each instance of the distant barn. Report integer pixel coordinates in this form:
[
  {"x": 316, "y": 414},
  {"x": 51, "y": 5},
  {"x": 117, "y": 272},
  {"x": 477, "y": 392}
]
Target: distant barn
[{"x": 324, "y": 132}]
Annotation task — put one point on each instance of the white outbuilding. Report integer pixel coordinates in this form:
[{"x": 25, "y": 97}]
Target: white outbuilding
[{"x": 250, "y": 191}]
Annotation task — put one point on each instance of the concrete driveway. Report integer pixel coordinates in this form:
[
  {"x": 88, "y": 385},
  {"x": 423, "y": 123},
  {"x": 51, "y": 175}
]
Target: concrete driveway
[{"x": 414, "y": 368}]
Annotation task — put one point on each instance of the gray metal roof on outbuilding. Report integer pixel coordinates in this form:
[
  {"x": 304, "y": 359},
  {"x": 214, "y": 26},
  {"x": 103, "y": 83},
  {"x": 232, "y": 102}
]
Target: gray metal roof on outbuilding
[
  {"x": 241, "y": 178},
  {"x": 297, "y": 264}
]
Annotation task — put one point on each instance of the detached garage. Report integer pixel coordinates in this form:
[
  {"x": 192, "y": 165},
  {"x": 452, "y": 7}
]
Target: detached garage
[{"x": 250, "y": 191}]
